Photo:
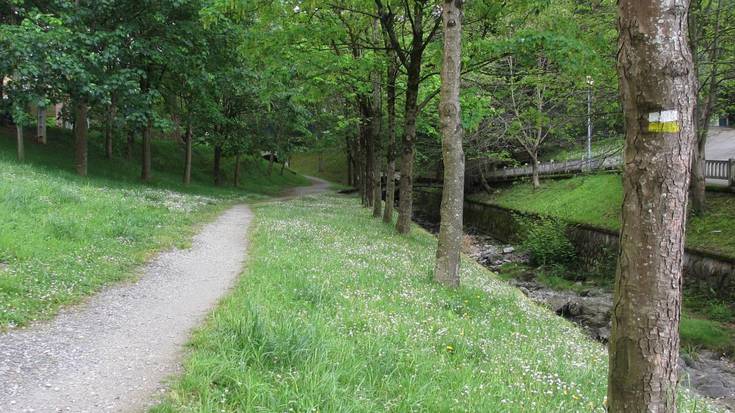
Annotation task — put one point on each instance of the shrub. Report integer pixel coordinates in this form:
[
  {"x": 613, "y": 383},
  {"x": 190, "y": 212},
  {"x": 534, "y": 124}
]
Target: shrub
[{"x": 546, "y": 241}]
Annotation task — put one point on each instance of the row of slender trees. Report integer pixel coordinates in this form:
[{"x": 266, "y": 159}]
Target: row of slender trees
[{"x": 658, "y": 94}]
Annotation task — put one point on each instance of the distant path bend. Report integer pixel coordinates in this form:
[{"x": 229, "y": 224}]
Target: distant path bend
[{"x": 112, "y": 353}]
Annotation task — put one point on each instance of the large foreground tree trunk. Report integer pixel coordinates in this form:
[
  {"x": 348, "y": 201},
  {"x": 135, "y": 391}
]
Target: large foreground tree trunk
[
  {"x": 657, "y": 83},
  {"x": 187, "y": 153},
  {"x": 446, "y": 270},
  {"x": 80, "y": 138},
  {"x": 145, "y": 174},
  {"x": 41, "y": 125}
]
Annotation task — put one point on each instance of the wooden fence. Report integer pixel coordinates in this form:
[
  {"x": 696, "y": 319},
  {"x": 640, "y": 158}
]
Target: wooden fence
[{"x": 722, "y": 170}]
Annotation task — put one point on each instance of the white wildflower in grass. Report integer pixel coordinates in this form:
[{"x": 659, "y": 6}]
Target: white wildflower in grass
[{"x": 336, "y": 312}]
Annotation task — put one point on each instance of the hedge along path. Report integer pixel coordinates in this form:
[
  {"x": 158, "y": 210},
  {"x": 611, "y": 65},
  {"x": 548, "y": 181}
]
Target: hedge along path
[{"x": 112, "y": 353}]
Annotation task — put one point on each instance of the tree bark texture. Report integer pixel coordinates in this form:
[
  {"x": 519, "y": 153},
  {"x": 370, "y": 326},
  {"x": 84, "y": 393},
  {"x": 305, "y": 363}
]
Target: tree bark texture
[
  {"x": 80, "y": 138},
  {"x": 448, "y": 251},
  {"x": 145, "y": 174},
  {"x": 658, "y": 87}
]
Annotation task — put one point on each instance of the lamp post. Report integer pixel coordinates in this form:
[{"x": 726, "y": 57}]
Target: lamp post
[{"x": 590, "y": 83}]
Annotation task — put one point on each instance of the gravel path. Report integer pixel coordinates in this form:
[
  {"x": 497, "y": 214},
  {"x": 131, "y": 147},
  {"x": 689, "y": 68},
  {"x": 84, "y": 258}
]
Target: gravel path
[{"x": 112, "y": 353}]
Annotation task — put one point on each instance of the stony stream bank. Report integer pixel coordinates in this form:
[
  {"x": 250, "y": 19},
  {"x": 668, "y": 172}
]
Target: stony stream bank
[{"x": 590, "y": 306}]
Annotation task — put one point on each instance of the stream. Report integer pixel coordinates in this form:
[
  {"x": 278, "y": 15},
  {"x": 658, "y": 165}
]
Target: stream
[{"x": 708, "y": 373}]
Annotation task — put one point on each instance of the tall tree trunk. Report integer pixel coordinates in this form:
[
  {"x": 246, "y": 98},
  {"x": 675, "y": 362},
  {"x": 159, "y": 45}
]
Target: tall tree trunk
[
  {"x": 376, "y": 121},
  {"x": 361, "y": 163},
  {"x": 109, "y": 125},
  {"x": 217, "y": 172},
  {"x": 405, "y": 190},
  {"x": 390, "y": 179},
  {"x": 283, "y": 166},
  {"x": 21, "y": 144},
  {"x": 80, "y": 138},
  {"x": 236, "y": 180},
  {"x": 130, "y": 144},
  {"x": 145, "y": 174},
  {"x": 658, "y": 88},
  {"x": 448, "y": 250},
  {"x": 187, "y": 152},
  {"x": 706, "y": 109},
  {"x": 534, "y": 171},
  {"x": 369, "y": 142},
  {"x": 41, "y": 125},
  {"x": 350, "y": 181}
]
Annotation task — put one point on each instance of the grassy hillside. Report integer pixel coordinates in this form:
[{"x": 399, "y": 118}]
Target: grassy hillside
[
  {"x": 596, "y": 200},
  {"x": 334, "y": 162},
  {"x": 63, "y": 237},
  {"x": 338, "y": 313}
]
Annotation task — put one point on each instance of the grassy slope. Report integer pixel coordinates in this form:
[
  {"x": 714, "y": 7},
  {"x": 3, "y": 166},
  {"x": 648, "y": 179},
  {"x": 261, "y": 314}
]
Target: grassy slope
[
  {"x": 605, "y": 146},
  {"x": 335, "y": 165},
  {"x": 63, "y": 237},
  {"x": 596, "y": 200},
  {"x": 337, "y": 314}
]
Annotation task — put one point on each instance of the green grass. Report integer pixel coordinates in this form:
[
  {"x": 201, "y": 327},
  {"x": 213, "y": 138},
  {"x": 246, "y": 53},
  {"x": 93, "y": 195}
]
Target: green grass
[
  {"x": 334, "y": 162},
  {"x": 596, "y": 200},
  {"x": 699, "y": 332},
  {"x": 63, "y": 237},
  {"x": 337, "y": 313},
  {"x": 605, "y": 146}
]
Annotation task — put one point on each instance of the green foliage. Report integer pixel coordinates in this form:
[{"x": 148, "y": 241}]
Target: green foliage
[{"x": 546, "y": 241}]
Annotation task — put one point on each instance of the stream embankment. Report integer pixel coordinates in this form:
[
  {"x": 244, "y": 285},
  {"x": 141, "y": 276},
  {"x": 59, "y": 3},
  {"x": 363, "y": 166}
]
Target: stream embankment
[{"x": 588, "y": 303}]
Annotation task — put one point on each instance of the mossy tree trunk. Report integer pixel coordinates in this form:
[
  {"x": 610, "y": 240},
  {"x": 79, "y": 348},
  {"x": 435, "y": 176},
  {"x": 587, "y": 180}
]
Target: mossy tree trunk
[{"x": 446, "y": 270}]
